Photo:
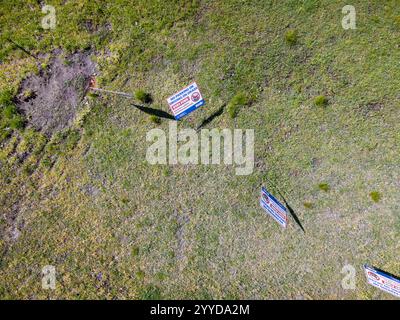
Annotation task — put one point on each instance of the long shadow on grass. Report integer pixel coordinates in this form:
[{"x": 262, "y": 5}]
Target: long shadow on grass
[
  {"x": 155, "y": 112},
  {"x": 388, "y": 273},
  {"x": 211, "y": 117},
  {"x": 293, "y": 214}
]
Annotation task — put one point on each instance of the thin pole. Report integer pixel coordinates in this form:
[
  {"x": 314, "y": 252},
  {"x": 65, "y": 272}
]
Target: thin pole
[{"x": 127, "y": 95}]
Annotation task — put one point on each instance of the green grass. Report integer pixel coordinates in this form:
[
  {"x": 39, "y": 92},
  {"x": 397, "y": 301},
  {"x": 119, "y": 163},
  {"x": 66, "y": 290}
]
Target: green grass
[{"x": 87, "y": 201}]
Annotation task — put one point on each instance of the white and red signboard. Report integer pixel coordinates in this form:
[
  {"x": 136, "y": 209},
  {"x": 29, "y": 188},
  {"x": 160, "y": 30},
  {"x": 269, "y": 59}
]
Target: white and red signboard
[
  {"x": 382, "y": 280},
  {"x": 273, "y": 207},
  {"x": 185, "y": 101}
]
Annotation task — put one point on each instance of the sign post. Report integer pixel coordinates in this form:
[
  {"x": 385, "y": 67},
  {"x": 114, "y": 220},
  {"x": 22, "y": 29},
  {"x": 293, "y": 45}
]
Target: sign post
[
  {"x": 185, "y": 101},
  {"x": 382, "y": 280},
  {"x": 273, "y": 207}
]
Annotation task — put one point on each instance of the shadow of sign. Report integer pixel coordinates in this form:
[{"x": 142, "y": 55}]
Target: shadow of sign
[
  {"x": 211, "y": 117},
  {"x": 154, "y": 112}
]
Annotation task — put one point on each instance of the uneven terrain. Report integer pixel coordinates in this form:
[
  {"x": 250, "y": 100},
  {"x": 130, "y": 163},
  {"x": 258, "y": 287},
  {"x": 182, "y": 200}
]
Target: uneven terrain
[{"x": 76, "y": 191}]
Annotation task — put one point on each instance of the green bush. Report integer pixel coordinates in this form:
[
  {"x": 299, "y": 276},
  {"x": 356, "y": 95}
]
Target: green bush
[
  {"x": 291, "y": 37},
  {"x": 142, "y": 96},
  {"x": 320, "y": 101},
  {"x": 236, "y": 102}
]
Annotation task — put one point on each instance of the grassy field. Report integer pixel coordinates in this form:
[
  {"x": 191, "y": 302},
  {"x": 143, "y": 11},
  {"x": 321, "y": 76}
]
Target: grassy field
[{"x": 86, "y": 201}]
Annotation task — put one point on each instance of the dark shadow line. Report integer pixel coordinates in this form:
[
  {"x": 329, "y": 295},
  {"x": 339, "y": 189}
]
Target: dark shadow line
[
  {"x": 211, "y": 117},
  {"x": 293, "y": 214},
  {"x": 22, "y": 48},
  {"x": 155, "y": 112},
  {"x": 385, "y": 272}
]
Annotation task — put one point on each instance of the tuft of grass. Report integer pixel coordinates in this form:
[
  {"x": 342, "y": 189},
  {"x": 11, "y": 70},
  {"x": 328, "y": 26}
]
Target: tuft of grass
[
  {"x": 143, "y": 96},
  {"x": 155, "y": 119},
  {"x": 308, "y": 205},
  {"x": 140, "y": 275},
  {"x": 239, "y": 100},
  {"x": 375, "y": 196},
  {"x": 135, "y": 251},
  {"x": 291, "y": 37},
  {"x": 321, "y": 101},
  {"x": 324, "y": 187}
]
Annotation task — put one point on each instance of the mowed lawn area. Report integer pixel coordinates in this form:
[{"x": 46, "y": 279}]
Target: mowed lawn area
[{"x": 324, "y": 103}]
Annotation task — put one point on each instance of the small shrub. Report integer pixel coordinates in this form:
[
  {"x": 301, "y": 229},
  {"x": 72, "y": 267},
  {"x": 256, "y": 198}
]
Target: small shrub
[
  {"x": 155, "y": 119},
  {"x": 236, "y": 102},
  {"x": 291, "y": 37},
  {"x": 324, "y": 187},
  {"x": 375, "y": 196},
  {"x": 142, "y": 96},
  {"x": 320, "y": 101}
]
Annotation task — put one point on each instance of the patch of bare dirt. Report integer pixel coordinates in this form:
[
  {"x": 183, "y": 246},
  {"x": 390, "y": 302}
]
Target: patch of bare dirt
[{"x": 51, "y": 99}]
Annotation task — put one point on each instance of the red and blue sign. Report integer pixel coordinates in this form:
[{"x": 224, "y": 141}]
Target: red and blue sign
[
  {"x": 382, "y": 280},
  {"x": 185, "y": 101},
  {"x": 273, "y": 207}
]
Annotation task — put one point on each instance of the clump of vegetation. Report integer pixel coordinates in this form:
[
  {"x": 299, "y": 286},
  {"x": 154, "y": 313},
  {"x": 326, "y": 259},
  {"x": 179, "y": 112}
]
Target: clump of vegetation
[
  {"x": 324, "y": 187},
  {"x": 308, "y": 205},
  {"x": 155, "y": 119},
  {"x": 239, "y": 100},
  {"x": 6, "y": 97},
  {"x": 321, "y": 101},
  {"x": 375, "y": 196},
  {"x": 291, "y": 37},
  {"x": 135, "y": 251},
  {"x": 140, "y": 275},
  {"x": 10, "y": 118},
  {"x": 28, "y": 94},
  {"x": 143, "y": 96}
]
